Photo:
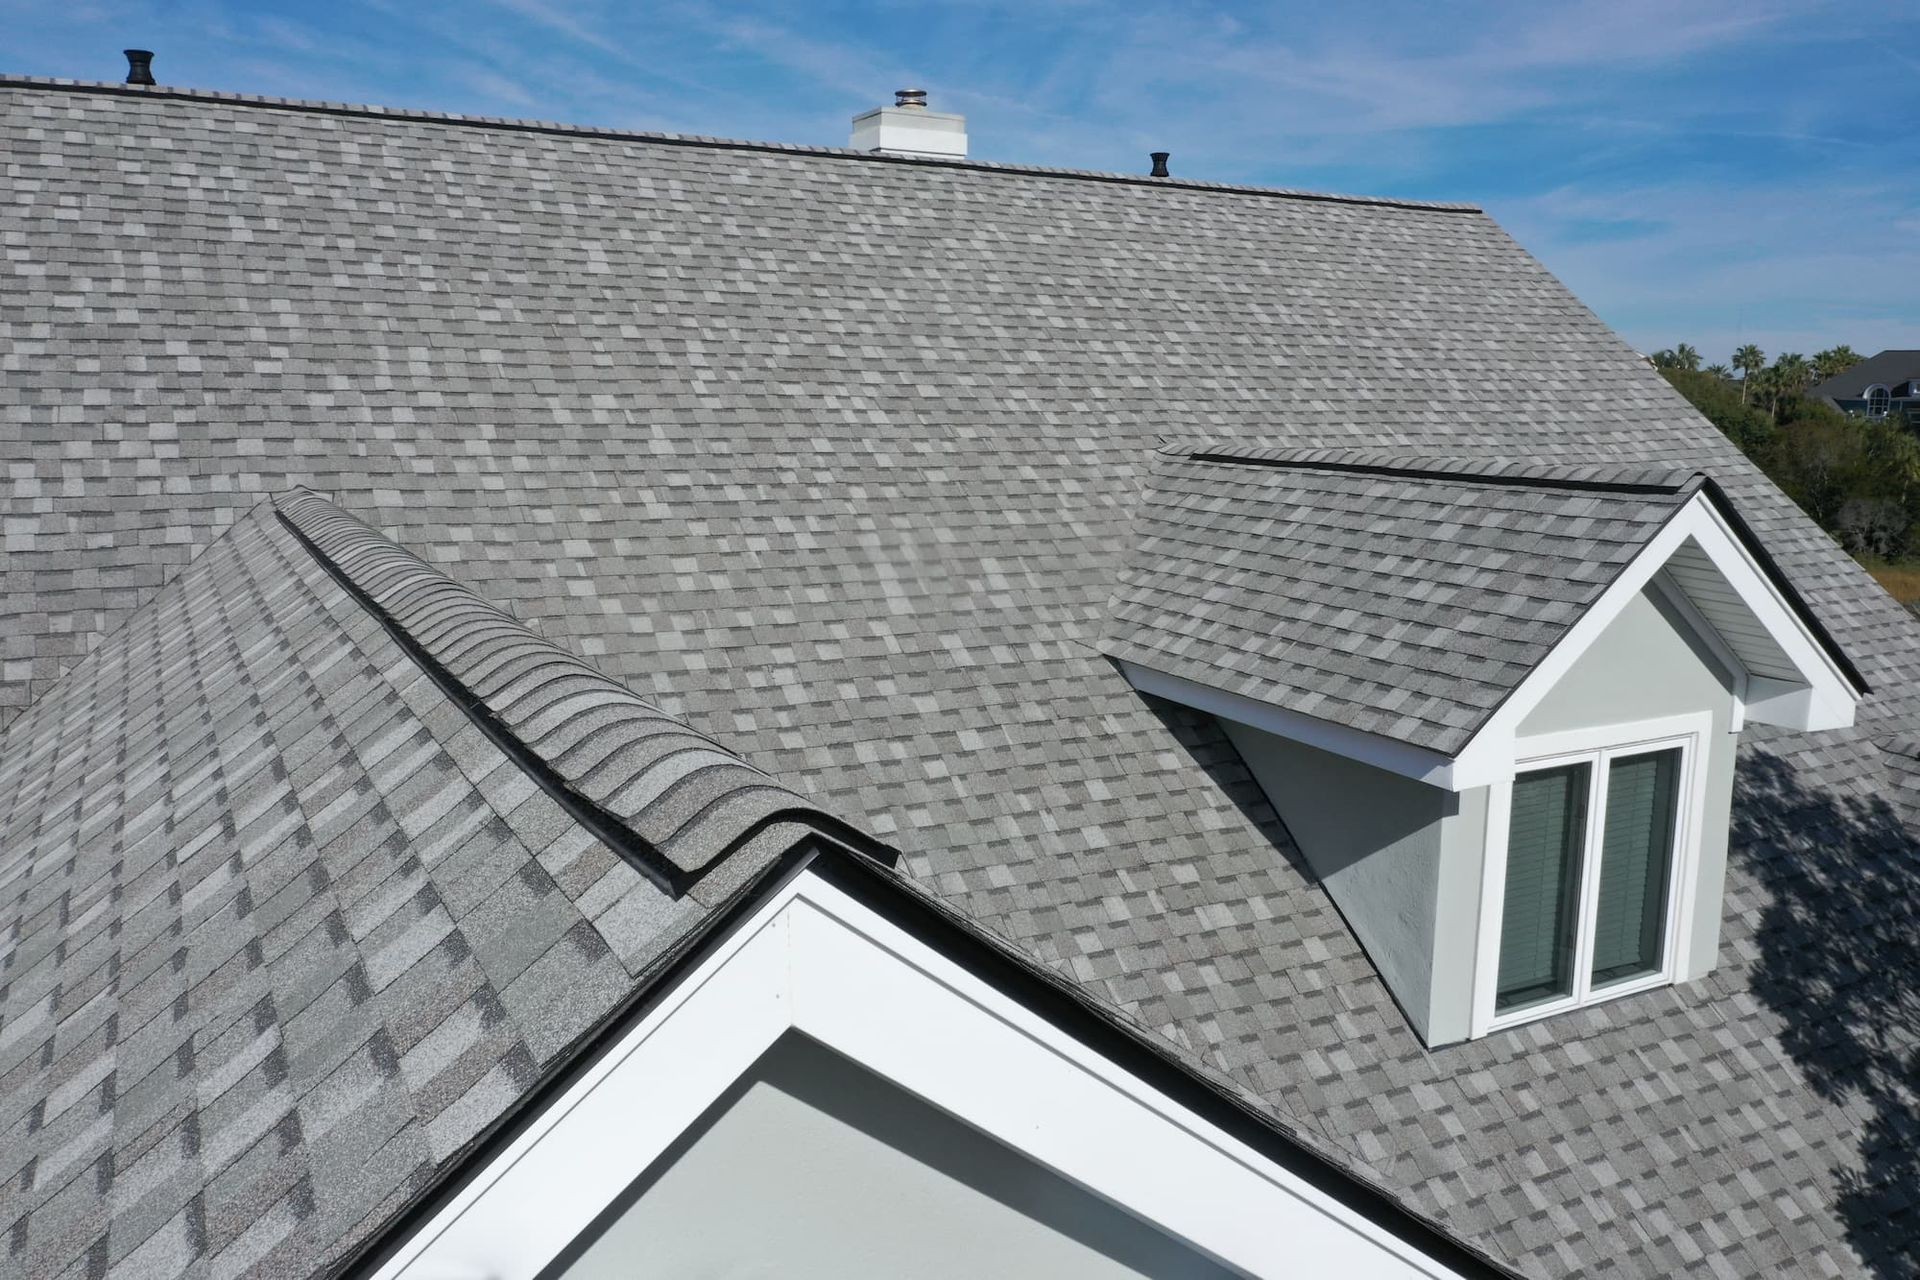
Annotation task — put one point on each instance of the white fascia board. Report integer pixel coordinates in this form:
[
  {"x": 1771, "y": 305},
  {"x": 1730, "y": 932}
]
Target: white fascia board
[
  {"x": 1403, "y": 758},
  {"x": 1834, "y": 697},
  {"x": 1830, "y": 706},
  {"x": 1826, "y": 701},
  {"x": 816, "y": 960}
]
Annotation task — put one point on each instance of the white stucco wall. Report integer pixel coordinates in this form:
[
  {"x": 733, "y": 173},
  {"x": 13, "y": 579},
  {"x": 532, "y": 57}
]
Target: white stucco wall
[
  {"x": 1649, "y": 664},
  {"x": 1404, "y": 861},
  {"x": 814, "y": 1168},
  {"x": 1374, "y": 839}
]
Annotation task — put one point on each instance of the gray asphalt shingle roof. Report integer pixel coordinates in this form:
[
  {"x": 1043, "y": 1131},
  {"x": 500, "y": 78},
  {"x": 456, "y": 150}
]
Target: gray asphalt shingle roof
[
  {"x": 1401, "y": 597},
  {"x": 673, "y": 800},
  {"x": 833, "y": 460},
  {"x": 281, "y": 932}
]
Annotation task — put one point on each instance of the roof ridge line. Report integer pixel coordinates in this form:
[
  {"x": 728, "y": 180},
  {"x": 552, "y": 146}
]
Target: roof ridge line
[
  {"x": 1624, "y": 479},
  {"x": 559, "y": 129},
  {"x": 641, "y": 811}
]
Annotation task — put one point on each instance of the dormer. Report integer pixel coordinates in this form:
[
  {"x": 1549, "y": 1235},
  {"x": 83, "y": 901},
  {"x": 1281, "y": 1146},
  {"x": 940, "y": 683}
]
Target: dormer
[{"x": 1496, "y": 705}]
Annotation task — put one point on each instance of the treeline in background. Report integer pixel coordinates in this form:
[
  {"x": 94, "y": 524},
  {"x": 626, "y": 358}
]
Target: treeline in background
[{"x": 1858, "y": 477}]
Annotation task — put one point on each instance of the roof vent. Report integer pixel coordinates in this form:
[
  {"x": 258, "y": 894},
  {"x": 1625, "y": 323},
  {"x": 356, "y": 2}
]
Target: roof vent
[
  {"x": 139, "y": 66},
  {"x": 1159, "y": 159},
  {"x": 907, "y": 128}
]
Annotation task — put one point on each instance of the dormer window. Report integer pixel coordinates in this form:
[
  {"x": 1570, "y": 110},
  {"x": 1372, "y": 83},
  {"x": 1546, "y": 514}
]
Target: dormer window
[
  {"x": 1495, "y": 705},
  {"x": 1601, "y": 837},
  {"x": 1879, "y": 401}
]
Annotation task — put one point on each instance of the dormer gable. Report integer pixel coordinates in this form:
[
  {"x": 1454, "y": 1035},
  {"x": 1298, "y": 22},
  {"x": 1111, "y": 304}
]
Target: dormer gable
[{"x": 1495, "y": 704}]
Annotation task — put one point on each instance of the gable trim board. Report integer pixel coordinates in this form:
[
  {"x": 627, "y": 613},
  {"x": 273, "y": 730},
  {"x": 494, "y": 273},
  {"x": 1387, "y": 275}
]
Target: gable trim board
[
  {"x": 819, "y": 954},
  {"x": 1702, "y": 529}
]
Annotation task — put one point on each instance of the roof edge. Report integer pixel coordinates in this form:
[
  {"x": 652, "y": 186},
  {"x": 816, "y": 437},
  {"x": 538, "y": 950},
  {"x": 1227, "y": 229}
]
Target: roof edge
[
  {"x": 554, "y": 128},
  {"x": 1438, "y": 468},
  {"x": 671, "y": 801},
  {"x": 1744, "y": 533},
  {"x": 1104, "y": 1027}
]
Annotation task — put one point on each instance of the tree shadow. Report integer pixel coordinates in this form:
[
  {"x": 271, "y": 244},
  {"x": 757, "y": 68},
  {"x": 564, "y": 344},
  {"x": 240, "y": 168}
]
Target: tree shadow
[{"x": 1838, "y": 961}]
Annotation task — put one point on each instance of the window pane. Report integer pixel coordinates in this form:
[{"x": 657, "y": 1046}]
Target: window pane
[
  {"x": 1630, "y": 925},
  {"x": 1544, "y": 837}
]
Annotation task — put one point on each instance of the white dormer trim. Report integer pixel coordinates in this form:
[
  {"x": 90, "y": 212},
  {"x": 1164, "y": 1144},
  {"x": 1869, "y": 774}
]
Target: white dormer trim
[
  {"x": 1394, "y": 756},
  {"x": 1823, "y": 698},
  {"x": 1826, "y": 700},
  {"x": 814, "y": 959}
]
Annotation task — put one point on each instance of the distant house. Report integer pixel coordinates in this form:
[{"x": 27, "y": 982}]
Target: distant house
[{"x": 1887, "y": 383}]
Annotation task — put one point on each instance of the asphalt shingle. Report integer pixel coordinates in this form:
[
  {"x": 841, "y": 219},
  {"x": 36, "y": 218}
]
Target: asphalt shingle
[
  {"x": 833, "y": 460},
  {"x": 1401, "y": 597},
  {"x": 221, "y": 938}
]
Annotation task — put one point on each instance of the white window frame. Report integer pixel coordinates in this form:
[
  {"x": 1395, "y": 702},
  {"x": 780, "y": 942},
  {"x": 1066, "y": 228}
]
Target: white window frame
[
  {"x": 1597, "y": 747},
  {"x": 1884, "y": 409}
]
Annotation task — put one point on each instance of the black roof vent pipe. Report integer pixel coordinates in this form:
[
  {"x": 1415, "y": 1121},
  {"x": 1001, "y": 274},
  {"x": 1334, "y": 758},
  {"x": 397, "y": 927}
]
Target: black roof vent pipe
[
  {"x": 139, "y": 66},
  {"x": 1160, "y": 164}
]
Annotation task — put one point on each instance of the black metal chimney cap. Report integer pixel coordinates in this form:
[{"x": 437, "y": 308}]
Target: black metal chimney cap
[
  {"x": 1160, "y": 159},
  {"x": 909, "y": 97},
  {"x": 139, "y": 66}
]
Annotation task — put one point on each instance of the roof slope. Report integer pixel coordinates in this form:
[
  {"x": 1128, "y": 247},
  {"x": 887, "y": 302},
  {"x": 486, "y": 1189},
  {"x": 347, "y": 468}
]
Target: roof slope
[
  {"x": 283, "y": 929},
  {"x": 673, "y": 801},
  {"x": 834, "y": 459},
  {"x": 1394, "y": 596},
  {"x": 1888, "y": 369}
]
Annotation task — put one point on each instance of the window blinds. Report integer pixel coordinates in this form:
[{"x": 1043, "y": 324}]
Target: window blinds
[
  {"x": 1635, "y": 851},
  {"x": 1544, "y": 838}
]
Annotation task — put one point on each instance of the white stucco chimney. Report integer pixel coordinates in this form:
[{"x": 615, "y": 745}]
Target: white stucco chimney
[{"x": 907, "y": 128}]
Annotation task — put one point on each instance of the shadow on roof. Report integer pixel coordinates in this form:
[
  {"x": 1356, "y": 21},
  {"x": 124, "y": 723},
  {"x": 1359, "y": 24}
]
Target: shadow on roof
[{"x": 1839, "y": 963}]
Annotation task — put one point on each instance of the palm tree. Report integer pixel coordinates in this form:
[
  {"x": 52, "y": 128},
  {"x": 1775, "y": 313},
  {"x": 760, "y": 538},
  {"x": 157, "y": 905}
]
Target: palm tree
[
  {"x": 1749, "y": 360},
  {"x": 1791, "y": 375},
  {"x": 1719, "y": 371},
  {"x": 1796, "y": 374},
  {"x": 1834, "y": 361},
  {"x": 1687, "y": 358}
]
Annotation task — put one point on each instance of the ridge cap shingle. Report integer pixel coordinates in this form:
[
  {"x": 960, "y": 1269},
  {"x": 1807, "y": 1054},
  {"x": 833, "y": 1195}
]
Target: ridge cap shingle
[
  {"x": 1603, "y": 477},
  {"x": 674, "y": 810},
  {"x": 562, "y": 129}
]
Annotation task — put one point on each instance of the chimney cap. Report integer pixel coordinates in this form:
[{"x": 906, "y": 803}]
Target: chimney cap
[
  {"x": 1159, "y": 159},
  {"x": 139, "y": 66},
  {"x": 907, "y": 128}
]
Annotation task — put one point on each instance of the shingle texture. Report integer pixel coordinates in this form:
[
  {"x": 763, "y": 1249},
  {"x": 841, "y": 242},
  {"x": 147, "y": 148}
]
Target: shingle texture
[
  {"x": 835, "y": 460},
  {"x": 688, "y": 800},
  {"x": 1400, "y": 597},
  {"x": 280, "y": 931}
]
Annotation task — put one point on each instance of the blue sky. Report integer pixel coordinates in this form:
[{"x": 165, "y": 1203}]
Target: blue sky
[{"x": 1695, "y": 170}]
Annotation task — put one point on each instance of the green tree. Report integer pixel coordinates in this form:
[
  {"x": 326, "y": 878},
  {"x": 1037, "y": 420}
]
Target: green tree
[
  {"x": 1680, "y": 357},
  {"x": 1834, "y": 361},
  {"x": 1792, "y": 375},
  {"x": 1749, "y": 360},
  {"x": 1719, "y": 371},
  {"x": 1715, "y": 398}
]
